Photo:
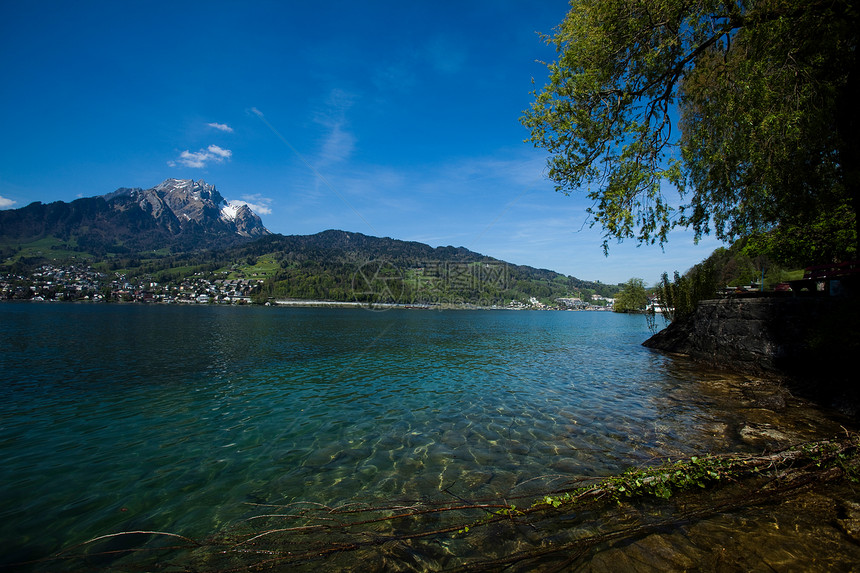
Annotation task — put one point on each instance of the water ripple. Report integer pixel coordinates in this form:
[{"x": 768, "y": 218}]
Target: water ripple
[{"x": 117, "y": 417}]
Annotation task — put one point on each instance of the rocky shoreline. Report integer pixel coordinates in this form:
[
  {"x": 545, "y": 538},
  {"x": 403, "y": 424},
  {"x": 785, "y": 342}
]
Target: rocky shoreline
[{"x": 807, "y": 343}]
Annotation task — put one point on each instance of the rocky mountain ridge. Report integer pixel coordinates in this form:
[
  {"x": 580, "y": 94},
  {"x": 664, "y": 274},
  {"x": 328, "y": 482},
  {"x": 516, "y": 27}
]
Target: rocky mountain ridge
[{"x": 178, "y": 214}]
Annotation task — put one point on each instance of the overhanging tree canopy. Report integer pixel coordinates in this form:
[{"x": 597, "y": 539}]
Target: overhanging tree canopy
[{"x": 765, "y": 93}]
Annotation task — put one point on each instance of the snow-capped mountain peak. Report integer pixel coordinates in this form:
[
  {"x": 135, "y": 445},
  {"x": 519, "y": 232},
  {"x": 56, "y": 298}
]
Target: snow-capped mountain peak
[
  {"x": 196, "y": 202},
  {"x": 231, "y": 209}
]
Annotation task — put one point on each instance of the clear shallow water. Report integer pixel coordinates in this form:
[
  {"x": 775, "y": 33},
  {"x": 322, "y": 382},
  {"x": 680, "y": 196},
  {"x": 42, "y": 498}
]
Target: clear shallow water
[{"x": 131, "y": 417}]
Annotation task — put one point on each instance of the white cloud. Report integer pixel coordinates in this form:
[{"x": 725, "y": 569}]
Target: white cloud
[
  {"x": 221, "y": 127},
  {"x": 338, "y": 143},
  {"x": 199, "y": 159},
  {"x": 257, "y": 203},
  {"x": 222, "y": 153},
  {"x": 5, "y": 203}
]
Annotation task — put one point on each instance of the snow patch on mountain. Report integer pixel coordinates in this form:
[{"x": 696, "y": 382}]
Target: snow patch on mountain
[{"x": 231, "y": 209}]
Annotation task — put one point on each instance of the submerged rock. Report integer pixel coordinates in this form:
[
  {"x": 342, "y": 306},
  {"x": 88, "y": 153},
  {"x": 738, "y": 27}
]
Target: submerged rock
[
  {"x": 849, "y": 520},
  {"x": 765, "y": 395},
  {"x": 763, "y": 433}
]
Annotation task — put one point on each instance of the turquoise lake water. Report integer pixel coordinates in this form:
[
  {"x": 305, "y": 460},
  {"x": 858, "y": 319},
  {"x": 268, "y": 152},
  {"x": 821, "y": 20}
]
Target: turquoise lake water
[{"x": 181, "y": 418}]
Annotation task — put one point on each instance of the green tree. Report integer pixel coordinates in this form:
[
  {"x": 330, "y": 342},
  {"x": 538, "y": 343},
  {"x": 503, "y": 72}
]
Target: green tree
[
  {"x": 766, "y": 91},
  {"x": 825, "y": 239},
  {"x": 741, "y": 264},
  {"x": 680, "y": 297},
  {"x": 632, "y": 298}
]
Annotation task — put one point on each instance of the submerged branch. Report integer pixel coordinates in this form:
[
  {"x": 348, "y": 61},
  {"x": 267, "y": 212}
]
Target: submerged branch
[{"x": 557, "y": 527}]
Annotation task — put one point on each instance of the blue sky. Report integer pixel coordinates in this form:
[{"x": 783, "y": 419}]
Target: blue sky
[{"x": 389, "y": 118}]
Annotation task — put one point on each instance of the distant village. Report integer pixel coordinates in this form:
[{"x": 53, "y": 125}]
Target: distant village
[
  {"x": 84, "y": 283},
  {"x": 78, "y": 283},
  {"x": 597, "y": 303}
]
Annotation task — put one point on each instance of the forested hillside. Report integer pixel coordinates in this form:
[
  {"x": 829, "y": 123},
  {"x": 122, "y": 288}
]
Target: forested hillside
[{"x": 338, "y": 266}]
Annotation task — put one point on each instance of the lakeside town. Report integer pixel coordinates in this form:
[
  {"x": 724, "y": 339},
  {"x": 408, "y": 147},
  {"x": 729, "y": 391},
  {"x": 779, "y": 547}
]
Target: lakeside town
[{"x": 84, "y": 283}]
